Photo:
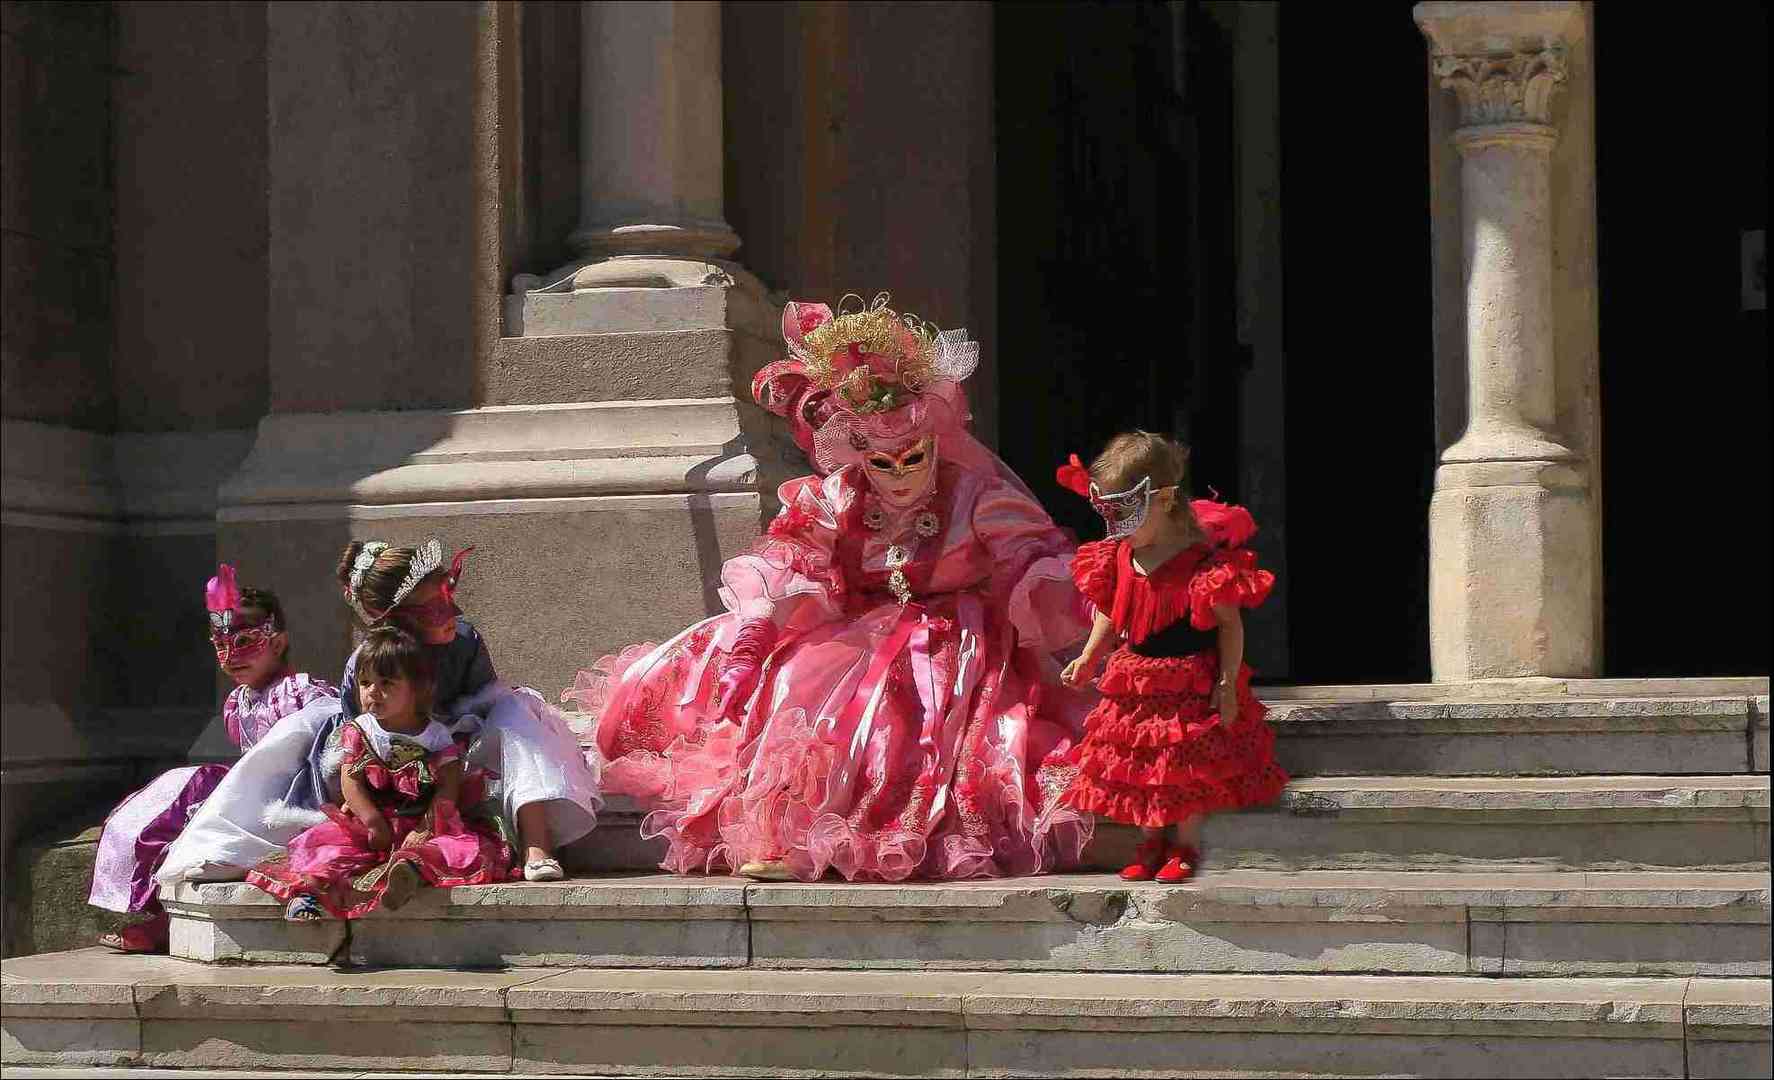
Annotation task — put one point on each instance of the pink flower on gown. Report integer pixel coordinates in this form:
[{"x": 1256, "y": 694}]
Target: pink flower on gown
[{"x": 884, "y": 741}]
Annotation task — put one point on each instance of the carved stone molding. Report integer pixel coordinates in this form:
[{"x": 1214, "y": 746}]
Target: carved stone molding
[{"x": 1513, "y": 88}]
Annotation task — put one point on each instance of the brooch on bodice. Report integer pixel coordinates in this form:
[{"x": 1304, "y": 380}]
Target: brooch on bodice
[{"x": 925, "y": 524}]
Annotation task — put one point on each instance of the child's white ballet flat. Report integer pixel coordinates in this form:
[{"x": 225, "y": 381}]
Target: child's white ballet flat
[{"x": 544, "y": 870}]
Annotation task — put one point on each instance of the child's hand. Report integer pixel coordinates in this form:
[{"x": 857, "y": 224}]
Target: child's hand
[
  {"x": 1225, "y": 698},
  {"x": 415, "y": 839},
  {"x": 381, "y": 833},
  {"x": 1079, "y": 672}
]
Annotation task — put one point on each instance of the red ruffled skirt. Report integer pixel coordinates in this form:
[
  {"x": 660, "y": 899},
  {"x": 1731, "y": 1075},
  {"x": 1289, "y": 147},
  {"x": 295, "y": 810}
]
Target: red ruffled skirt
[{"x": 1155, "y": 753}]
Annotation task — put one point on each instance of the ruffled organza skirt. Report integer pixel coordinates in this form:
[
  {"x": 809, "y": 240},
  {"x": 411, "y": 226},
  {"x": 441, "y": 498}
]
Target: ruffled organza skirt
[
  {"x": 335, "y": 863},
  {"x": 888, "y": 744},
  {"x": 1155, "y": 752}
]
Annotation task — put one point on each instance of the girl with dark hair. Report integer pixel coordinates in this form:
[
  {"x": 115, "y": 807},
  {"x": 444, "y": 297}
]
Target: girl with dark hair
[{"x": 413, "y": 813}]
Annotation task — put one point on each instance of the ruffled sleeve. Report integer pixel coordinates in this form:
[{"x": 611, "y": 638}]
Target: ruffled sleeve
[
  {"x": 304, "y": 690},
  {"x": 794, "y": 557},
  {"x": 1093, "y": 572},
  {"x": 232, "y": 710},
  {"x": 1031, "y": 568},
  {"x": 1229, "y": 577}
]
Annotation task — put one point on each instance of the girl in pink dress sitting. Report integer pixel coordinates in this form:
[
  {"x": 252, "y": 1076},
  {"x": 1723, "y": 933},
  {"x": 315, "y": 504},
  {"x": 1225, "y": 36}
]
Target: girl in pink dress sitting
[
  {"x": 413, "y": 811},
  {"x": 247, "y": 630}
]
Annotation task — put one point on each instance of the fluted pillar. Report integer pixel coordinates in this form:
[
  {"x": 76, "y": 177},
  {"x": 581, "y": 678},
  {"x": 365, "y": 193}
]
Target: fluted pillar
[{"x": 1512, "y": 553}]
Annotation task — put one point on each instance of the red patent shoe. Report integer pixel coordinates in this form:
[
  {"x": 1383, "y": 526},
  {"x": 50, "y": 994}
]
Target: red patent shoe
[
  {"x": 1180, "y": 867},
  {"x": 1146, "y": 859}
]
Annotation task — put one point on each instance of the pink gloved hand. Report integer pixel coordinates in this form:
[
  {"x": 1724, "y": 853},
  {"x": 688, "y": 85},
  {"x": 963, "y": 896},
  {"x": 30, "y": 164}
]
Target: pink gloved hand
[{"x": 744, "y": 663}]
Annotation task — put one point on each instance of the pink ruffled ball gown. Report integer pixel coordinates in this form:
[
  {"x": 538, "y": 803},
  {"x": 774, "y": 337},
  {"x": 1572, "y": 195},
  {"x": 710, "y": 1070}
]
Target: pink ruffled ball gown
[{"x": 885, "y": 740}]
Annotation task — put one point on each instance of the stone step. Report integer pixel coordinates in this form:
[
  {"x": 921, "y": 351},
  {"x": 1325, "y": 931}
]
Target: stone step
[
  {"x": 1421, "y": 823},
  {"x": 1348, "y": 735},
  {"x": 1620, "y": 726},
  {"x": 1713, "y": 924},
  {"x": 91, "y": 1008}
]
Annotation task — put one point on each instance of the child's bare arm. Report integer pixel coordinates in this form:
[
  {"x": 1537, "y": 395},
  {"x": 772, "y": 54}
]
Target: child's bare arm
[
  {"x": 1080, "y": 671},
  {"x": 1225, "y": 692},
  {"x": 357, "y": 797}
]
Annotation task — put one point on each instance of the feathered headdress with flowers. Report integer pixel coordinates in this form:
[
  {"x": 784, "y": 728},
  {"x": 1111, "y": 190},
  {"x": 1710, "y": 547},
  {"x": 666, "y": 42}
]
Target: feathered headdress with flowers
[{"x": 864, "y": 377}]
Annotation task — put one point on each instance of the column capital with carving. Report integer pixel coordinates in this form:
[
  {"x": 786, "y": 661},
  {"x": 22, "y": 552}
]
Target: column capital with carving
[{"x": 1504, "y": 62}]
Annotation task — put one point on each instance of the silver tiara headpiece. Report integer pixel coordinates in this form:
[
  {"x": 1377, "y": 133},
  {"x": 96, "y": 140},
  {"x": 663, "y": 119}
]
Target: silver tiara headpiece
[{"x": 427, "y": 560}]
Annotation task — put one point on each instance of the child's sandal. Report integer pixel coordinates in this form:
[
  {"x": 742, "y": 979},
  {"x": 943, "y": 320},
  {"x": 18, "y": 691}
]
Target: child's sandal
[
  {"x": 303, "y": 909},
  {"x": 1180, "y": 867},
  {"x": 403, "y": 881}
]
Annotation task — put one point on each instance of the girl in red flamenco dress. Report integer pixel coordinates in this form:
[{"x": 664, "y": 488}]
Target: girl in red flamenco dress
[
  {"x": 414, "y": 814},
  {"x": 1177, "y": 734}
]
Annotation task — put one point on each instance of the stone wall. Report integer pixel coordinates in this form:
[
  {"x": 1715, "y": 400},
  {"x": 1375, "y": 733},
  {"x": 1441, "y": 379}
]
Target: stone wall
[
  {"x": 134, "y": 334},
  {"x": 57, "y": 396}
]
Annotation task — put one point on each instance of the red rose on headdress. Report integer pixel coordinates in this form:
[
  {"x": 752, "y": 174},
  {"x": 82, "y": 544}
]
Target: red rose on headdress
[
  {"x": 846, "y": 360},
  {"x": 1074, "y": 477},
  {"x": 798, "y": 320},
  {"x": 883, "y": 367}
]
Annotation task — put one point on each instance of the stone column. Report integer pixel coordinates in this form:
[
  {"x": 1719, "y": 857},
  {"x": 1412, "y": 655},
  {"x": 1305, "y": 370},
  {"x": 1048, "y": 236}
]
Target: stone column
[
  {"x": 1511, "y": 526},
  {"x": 651, "y": 334},
  {"x": 651, "y": 84},
  {"x": 592, "y": 447},
  {"x": 651, "y": 180}
]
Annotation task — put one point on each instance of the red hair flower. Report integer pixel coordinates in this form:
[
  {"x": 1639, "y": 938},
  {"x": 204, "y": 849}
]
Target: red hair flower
[{"x": 1074, "y": 477}]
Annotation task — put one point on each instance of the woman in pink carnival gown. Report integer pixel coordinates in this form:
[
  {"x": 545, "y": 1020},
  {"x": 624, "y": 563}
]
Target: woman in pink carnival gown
[{"x": 880, "y": 697}]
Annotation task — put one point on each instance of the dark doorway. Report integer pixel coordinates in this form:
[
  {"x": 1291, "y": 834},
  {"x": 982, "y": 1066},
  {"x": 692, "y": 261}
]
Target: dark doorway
[
  {"x": 1118, "y": 201},
  {"x": 1684, "y": 360},
  {"x": 1360, "y": 356},
  {"x": 1094, "y": 259}
]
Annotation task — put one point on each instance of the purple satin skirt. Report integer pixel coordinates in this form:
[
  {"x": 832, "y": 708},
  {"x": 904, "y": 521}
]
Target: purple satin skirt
[{"x": 136, "y": 835}]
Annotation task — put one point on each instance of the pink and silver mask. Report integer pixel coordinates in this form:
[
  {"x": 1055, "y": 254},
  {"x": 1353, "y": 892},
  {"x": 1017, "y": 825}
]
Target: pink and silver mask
[
  {"x": 1124, "y": 511},
  {"x": 235, "y": 643}
]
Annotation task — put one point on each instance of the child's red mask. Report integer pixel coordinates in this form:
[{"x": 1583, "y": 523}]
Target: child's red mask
[{"x": 441, "y": 609}]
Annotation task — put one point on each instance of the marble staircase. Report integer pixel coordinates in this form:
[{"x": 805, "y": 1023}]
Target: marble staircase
[{"x": 1563, "y": 879}]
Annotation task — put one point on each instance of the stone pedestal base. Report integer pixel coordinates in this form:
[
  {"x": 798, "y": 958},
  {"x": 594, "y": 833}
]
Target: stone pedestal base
[
  {"x": 616, "y": 462},
  {"x": 1510, "y": 572},
  {"x": 638, "y": 293}
]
